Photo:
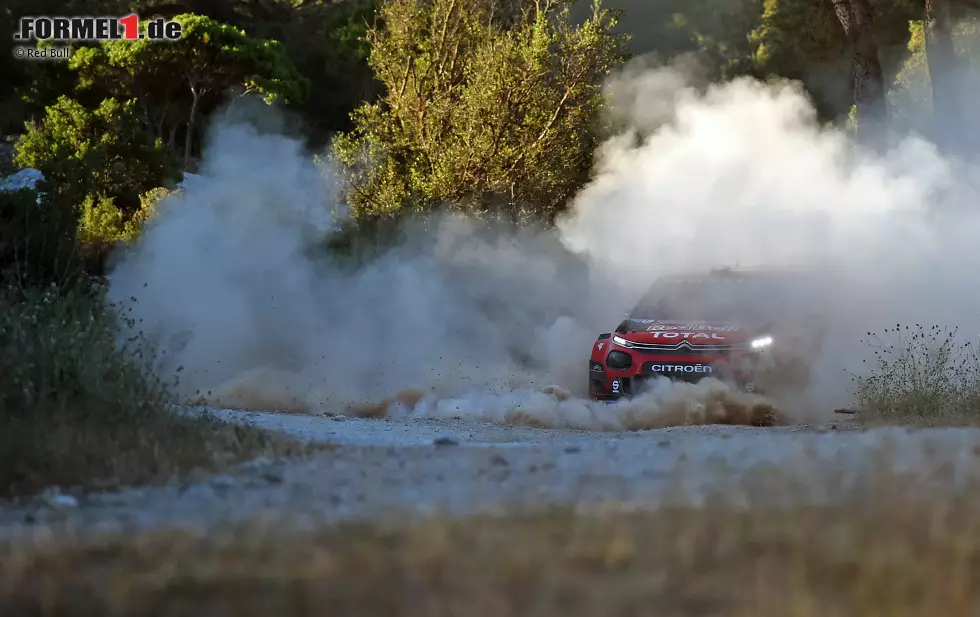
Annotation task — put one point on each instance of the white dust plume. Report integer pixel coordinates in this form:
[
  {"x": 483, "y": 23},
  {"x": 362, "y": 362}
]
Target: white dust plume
[
  {"x": 743, "y": 174},
  {"x": 491, "y": 324}
]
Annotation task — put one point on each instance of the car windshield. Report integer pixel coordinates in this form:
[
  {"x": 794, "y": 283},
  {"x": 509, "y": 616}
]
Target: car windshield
[{"x": 745, "y": 298}]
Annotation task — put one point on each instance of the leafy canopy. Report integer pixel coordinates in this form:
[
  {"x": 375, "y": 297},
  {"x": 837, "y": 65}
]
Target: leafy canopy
[
  {"x": 488, "y": 105},
  {"x": 910, "y": 96},
  {"x": 103, "y": 151},
  {"x": 210, "y": 55},
  {"x": 177, "y": 82}
]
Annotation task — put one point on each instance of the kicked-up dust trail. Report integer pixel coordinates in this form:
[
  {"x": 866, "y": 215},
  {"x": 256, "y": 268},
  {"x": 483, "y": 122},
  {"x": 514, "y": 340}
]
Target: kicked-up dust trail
[{"x": 472, "y": 320}]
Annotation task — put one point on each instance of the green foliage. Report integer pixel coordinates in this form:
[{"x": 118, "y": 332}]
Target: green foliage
[
  {"x": 147, "y": 210},
  {"x": 73, "y": 326},
  {"x": 100, "y": 152},
  {"x": 210, "y": 55},
  {"x": 802, "y": 39},
  {"x": 101, "y": 221},
  {"x": 29, "y": 87},
  {"x": 487, "y": 106},
  {"x": 719, "y": 33},
  {"x": 37, "y": 241},
  {"x": 178, "y": 82},
  {"x": 325, "y": 39},
  {"x": 795, "y": 34},
  {"x": 910, "y": 94}
]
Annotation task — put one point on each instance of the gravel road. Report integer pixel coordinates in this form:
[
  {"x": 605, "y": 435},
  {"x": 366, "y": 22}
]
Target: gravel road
[{"x": 386, "y": 466}]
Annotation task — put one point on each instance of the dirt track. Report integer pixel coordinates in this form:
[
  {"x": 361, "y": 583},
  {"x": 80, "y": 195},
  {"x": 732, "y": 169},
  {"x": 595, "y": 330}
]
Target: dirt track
[{"x": 382, "y": 466}]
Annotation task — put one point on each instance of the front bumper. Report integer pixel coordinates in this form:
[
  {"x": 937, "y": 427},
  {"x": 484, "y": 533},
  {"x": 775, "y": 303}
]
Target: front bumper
[{"x": 607, "y": 383}]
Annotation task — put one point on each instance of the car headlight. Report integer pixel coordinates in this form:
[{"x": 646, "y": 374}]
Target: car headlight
[
  {"x": 622, "y": 342},
  {"x": 760, "y": 343}
]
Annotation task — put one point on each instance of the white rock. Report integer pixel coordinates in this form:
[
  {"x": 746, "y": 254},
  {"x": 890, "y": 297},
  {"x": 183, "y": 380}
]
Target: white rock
[
  {"x": 58, "y": 500},
  {"x": 24, "y": 179},
  {"x": 191, "y": 180}
]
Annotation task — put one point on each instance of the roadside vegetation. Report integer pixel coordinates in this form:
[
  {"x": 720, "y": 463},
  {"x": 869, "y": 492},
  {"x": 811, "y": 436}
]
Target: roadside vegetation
[
  {"x": 883, "y": 548},
  {"x": 79, "y": 408},
  {"x": 491, "y": 106},
  {"x": 920, "y": 375},
  {"x": 80, "y": 411}
]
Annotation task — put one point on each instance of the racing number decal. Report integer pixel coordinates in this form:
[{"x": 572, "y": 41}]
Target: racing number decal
[{"x": 615, "y": 386}]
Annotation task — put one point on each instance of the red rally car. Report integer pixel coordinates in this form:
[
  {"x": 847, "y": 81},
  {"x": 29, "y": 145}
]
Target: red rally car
[{"x": 687, "y": 328}]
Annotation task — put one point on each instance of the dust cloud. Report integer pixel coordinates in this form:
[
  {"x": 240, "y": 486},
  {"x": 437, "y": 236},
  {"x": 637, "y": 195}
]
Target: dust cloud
[{"x": 489, "y": 323}]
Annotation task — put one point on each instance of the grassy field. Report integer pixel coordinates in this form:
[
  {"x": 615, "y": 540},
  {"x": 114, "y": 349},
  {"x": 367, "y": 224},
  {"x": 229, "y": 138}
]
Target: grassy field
[{"x": 887, "y": 547}]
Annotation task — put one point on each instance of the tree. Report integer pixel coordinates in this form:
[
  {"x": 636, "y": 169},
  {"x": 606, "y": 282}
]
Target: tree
[
  {"x": 804, "y": 40},
  {"x": 488, "y": 105},
  {"x": 713, "y": 31},
  {"x": 911, "y": 96},
  {"x": 323, "y": 38},
  {"x": 942, "y": 64},
  {"x": 795, "y": 34},
  {"x": 175, "y": 82},
  {"x": 719, "y": 33},
  {"x": 101, "y": 152},
  {"x": 867, "y": 78},
  {"x": 29, "y": 87}
]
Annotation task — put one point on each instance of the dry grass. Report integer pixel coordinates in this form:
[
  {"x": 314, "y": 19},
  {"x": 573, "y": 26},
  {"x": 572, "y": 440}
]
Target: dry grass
[
  {"x": 921, "y": 376},
  {"x": 79, "y": 410},
  {"x": 888, "y": 549}
]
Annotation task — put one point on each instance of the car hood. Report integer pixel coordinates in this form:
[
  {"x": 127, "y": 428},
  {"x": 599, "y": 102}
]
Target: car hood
[{"x": 695, "y": 332}]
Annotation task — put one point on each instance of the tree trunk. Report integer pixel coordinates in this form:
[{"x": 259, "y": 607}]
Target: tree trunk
[
  {"x": 942, "y": 67},
  {"x": 191, "y": 120},
  {"x": 172, "y": 137},
  {"x": 868, "y": 82}
]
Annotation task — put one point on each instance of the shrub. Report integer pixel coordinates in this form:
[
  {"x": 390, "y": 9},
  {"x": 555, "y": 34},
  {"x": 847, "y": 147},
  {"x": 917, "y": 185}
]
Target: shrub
[
  {"x": 922, "y": 375},
  {"x": 80, "y": 407},
  {"x": 37, "y": 241},
  {"x": 100, "y": 220},
  {"x": 147, "y": 210},
  {"x": 91, "y": 152}
]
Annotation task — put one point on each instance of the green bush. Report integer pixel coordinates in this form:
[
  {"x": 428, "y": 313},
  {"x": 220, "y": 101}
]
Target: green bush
[
  {"x": 147, "y": 210},
  {"x": 104, "y": 151},
  {"x": 100, "y": 220},
  {"x": 103, "y": 226}
]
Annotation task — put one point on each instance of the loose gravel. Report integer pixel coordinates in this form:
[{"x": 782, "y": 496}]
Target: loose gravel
[{"x": 384, "y": 467}]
